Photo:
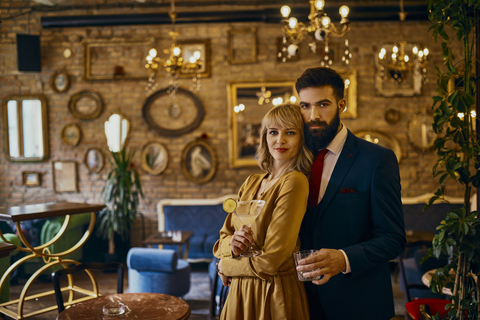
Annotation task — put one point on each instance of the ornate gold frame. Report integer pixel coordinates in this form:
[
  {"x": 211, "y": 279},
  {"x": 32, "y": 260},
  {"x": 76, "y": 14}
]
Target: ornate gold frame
[
  {"x": 53, "y": 81},
  {"x": 213, "y": 168},
  {"x": 85, "y": 94},
  {"x": 70, "y": 175},
  {"x": 101, "y": 158},
  {"x": 44, "y": 128},
  {"x": 350, "y": 93},
  {"x": 69, "y": 142},
  {"x": 205, "y": 59},
  {"x": 114, "y": 42},
  {"x": 145, "y": 165},
  {"x": 35, "y": 183},
  {"x": 233, "y": 139},
  {"x": 253, "y": 52}
]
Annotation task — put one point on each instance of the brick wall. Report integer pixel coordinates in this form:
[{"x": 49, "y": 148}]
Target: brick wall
[{"x": 128, "y": 97}]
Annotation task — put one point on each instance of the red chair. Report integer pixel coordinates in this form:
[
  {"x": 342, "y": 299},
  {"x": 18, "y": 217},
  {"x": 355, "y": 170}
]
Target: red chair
[{"x": 435, "y": 305}]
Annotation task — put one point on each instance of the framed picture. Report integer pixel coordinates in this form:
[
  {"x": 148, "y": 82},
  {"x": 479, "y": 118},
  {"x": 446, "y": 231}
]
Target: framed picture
[
  {"x": 173, "y": 116},
  {"x": 189, "y": 47},
  {"x": 199, "y": 162},
  {"x": 60, "y": 81},
  {"x": 154, "y": 158},
  {"x": 65, "y": 176},
  {"x": 71, "y": 135},
  {"x": 420, "y": 131},
  {"x": 242, "y": 46},
  {"x": 86, "y": 105},
  {"x": 115, "y": 59},
  {"x": 31, "y": 178},
  {"x": 94, "y": 160}
]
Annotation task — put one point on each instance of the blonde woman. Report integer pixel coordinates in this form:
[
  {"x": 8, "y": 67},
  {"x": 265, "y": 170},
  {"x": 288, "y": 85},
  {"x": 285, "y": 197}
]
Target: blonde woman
[{"x": 266, "y": 286}]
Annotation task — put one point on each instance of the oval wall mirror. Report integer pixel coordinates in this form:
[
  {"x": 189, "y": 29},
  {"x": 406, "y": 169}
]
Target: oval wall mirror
[
  {"x": 94, "y": 160},
  {"x": 154, "y": 158},
  {"x": 25, "y": 128}
]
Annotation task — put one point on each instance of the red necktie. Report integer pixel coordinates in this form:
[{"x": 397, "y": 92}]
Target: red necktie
[{"x": 316, "y": 178}]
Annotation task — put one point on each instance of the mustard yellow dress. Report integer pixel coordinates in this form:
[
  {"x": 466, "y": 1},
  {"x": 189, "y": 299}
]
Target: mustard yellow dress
[{"x": 266, "y": 286}]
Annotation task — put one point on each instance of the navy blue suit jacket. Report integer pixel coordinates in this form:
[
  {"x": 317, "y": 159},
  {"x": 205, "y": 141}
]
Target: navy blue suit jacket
[{"x": 367, "y": 224}]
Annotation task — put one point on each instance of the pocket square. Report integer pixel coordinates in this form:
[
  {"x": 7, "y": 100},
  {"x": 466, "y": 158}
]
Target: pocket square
[{"x": 347, "y": 190}]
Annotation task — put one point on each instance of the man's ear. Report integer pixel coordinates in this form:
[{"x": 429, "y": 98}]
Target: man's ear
[{"x": 342, "y": 105}]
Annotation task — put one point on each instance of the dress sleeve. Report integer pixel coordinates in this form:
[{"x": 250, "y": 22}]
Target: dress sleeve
[
  {"x": 222, "y": 248},
  {"x": 282, "y": 233}
]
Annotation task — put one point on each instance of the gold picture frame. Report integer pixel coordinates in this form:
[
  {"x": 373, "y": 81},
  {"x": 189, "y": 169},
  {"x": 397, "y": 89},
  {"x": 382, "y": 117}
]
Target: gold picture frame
[
  {"x": 154, "y": 158},
  {"x": 188, "y": 48},
  {"x": 94, "y": 160},
  {"x": 115, "y": 59},
  {"x": 199, "y": 162},
  {"x": 60, "y": 81},
  {"x": 244, "y": 126},
  {"x": 242, "y": 46},
  {"x": 81, "y": 114},
  {"x": 71, "y": 135},
  {"x": 65, "y": 176},
  {"x": 31, "y": 178}
]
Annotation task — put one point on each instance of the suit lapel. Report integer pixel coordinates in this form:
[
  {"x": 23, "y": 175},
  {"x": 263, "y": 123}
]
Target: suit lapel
[{"x": 344, "y": 162}]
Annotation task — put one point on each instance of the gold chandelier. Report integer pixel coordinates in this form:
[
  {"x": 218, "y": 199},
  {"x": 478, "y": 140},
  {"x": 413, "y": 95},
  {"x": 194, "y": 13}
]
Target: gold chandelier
[
  {"x": 397, "y": 64},
  {"x": 175, "y": 63},
  {"x": 320, "y": 26}
]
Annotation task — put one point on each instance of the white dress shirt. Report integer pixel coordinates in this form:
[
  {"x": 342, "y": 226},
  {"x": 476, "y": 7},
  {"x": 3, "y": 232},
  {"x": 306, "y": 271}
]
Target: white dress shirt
[{"x": 331, "y": 157}]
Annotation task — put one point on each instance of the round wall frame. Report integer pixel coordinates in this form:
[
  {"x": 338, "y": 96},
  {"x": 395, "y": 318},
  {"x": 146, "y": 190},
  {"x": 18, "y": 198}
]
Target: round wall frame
[
  {"x": 154, "y": 158},
  {"x": 71, "y": 134},
  {"x": 420, "y": 131},
  {"x": 86, "y": 114},
  {"x": 382, "y": 139},
  {"x": 173, "y": 115},
  {"x": 60, "y": 81}
]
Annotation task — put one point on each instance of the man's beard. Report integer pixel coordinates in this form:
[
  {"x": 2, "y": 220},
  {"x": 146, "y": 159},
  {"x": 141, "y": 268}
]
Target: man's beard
[{"x": 321, "y": 138}]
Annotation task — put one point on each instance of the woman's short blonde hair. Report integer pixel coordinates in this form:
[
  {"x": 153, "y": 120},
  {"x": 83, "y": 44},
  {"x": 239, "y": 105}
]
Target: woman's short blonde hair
[{"x": 286, "y": 115}]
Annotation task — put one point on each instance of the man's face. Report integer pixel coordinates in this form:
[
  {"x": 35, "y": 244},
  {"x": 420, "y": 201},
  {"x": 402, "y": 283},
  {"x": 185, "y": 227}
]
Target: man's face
[{"x": 321, "y": 113}]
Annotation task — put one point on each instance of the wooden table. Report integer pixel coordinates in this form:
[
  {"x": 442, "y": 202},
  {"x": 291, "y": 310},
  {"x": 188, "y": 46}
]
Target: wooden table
[
  {"x": 44, "y": 211},
  {"x": 138, "y": 306},
  {"x": 161, "y": 238},
  {"x": 6, "y": 248}
]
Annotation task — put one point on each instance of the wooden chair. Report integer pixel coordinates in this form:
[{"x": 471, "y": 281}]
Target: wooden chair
[{"x": 85, "y": 266}]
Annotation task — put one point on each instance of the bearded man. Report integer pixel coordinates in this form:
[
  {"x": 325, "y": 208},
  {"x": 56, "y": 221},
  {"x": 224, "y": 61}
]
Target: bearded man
[{"x": 355, "y": 216}]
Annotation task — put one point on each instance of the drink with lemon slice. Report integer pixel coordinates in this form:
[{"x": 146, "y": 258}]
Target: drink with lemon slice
[{"x": 247, "y": 212}]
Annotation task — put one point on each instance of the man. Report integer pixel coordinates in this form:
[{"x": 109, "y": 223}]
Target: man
[{"x": 355, "y": 215}]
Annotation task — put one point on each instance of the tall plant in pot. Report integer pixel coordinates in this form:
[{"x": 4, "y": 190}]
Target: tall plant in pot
[
  {"x": 121, "y": 194},
  {"x": 458, "y": 149}
]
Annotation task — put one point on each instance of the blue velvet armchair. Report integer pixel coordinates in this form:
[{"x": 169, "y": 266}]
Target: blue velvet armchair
[{"x": 157, "y": 271}]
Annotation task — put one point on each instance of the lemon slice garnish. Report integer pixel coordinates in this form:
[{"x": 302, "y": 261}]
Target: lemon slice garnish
[{"x": 229, "y": 205}]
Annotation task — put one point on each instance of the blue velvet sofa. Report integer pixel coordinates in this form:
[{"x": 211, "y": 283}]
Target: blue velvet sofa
[{"x": 205, "y": 217}]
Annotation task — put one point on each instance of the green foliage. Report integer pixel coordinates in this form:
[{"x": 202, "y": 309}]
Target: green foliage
[
  {"x": 457, "y": 147},
  {"x": 121, "y": 194}
]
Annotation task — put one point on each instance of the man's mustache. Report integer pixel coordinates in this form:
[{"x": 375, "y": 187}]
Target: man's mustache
[{"x": 316, "y": 123}]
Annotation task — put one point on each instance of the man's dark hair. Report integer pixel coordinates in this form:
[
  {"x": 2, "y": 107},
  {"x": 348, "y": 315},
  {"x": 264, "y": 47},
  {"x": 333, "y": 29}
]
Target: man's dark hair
[{"x": 319, "y": 77}]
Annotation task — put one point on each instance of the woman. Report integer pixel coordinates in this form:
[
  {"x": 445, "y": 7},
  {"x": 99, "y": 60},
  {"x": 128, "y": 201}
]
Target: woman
[{"x": 266, "y": 286}]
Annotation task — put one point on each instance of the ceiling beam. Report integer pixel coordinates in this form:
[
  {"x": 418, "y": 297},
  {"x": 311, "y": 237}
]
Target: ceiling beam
[{"x": 267, "y": 15}]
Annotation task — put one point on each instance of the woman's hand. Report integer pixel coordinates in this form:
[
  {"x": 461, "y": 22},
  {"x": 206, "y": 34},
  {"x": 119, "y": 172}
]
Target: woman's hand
[
  {"x": 225, "y": 280},
  {"x": 241, "y": 240}
]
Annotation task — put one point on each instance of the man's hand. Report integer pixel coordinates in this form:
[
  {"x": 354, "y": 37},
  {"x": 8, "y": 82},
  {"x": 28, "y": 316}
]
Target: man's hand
[
  {"x": 241, "y": 240},
  {"x": 331, "y": 262},
  {"x": 225, "y": 280}
]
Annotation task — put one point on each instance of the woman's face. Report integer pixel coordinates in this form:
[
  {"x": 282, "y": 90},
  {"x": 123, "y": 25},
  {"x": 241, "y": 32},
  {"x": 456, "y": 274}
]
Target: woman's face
[{"x": 283, "y": 143}]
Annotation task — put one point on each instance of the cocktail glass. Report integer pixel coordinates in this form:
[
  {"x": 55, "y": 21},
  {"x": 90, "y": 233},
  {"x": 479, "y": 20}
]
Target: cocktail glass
[{"x": 247, "y": 212}]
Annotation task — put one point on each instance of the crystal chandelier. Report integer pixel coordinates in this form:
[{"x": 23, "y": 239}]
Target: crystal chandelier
[
  {"x": 397, "y": 64},
  {"x": 174, "y": 64},
  {"x": 320, "y": 26}
]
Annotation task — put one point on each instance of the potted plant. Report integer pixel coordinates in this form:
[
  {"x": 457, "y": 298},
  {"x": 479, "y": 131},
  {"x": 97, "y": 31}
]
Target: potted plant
[
  {"x": 458, "y": 149},
  {"x": 121, "y": 194}
]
